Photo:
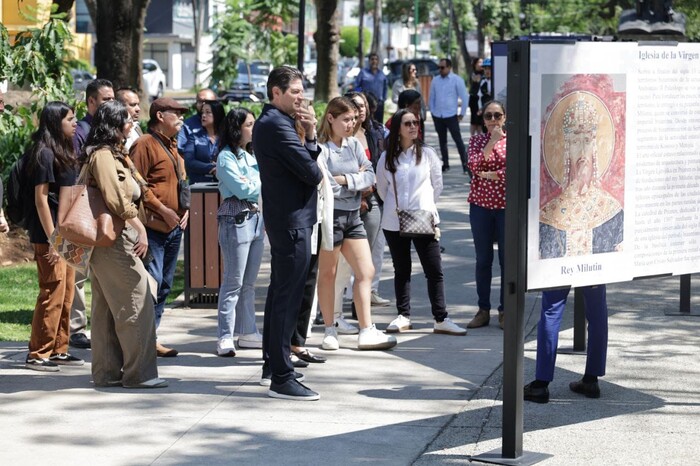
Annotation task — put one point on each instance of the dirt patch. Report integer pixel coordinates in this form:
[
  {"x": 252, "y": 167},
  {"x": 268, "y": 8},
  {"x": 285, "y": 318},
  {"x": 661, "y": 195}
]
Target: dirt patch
[{"x": 15, "y": 247}]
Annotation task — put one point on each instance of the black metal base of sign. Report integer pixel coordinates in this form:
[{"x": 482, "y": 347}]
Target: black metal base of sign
[
  {"x": 681, "y": 313},
  {"x": 496, "y": 457},
  {"x": 684, "y": 307},
  {"x": 571, "y": 350}
]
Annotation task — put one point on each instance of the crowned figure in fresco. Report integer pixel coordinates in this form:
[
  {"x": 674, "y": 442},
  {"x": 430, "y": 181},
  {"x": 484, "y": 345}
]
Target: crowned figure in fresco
[{"x": 583, "y": 218}]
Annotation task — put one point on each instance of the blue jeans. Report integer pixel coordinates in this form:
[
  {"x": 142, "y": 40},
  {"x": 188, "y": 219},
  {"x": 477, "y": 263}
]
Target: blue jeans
[
  {"x": 165, "y": 248},
  {"x": 242, "y": 250},
  {"x": 553, "y": 305},
  {"x": 487, "y": 225}
]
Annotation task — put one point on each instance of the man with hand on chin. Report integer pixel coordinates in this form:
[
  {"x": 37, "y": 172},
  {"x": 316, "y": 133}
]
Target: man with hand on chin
[
  {"x": 290, "y": 176},
  {"x": 156, "y": 158}
]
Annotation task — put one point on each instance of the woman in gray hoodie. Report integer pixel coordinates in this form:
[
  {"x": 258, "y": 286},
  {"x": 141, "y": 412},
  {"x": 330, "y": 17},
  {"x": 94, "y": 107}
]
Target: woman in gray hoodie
[{"x": 350, "y": 174}]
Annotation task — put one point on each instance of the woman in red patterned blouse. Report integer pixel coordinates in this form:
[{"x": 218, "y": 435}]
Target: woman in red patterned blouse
[{"x": 487, "y": 205}]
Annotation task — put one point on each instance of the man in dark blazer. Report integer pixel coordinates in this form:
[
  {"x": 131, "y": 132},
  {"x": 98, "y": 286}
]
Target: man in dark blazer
[{"x": 290, "y": 176}]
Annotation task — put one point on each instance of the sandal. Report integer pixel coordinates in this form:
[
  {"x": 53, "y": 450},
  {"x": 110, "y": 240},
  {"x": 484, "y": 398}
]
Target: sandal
[{"x": 306, "y": 355}]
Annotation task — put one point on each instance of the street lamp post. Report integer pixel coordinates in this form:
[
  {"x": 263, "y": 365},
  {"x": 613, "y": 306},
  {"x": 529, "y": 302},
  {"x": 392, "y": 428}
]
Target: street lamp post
[{"x": 302, "y": 32}]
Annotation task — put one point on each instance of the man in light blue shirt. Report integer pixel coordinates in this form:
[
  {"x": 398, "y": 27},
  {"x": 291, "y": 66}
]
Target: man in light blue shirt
[
  {"x": 372, "y": 79},
  {"x": 445, "y": 92}
]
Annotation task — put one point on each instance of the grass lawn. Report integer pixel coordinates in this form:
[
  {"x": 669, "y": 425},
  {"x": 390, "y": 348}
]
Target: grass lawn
[{"x": 18, "y": 291}]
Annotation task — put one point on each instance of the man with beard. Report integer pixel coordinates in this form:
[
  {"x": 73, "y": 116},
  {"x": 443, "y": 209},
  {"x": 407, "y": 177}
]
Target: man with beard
[
  {"x": 584, "y": 219},
  {"x": 156, "y": 158}
]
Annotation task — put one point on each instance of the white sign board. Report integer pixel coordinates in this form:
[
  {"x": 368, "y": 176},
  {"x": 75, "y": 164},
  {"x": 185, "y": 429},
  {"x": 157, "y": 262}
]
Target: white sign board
[{"x": 615, "y": 176}]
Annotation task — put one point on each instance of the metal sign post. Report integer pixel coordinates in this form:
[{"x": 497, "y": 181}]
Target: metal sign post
[{"x": 517, "y": 195}]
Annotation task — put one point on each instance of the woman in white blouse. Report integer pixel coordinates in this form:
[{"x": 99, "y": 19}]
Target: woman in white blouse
[{"x": 416, "y": 170}]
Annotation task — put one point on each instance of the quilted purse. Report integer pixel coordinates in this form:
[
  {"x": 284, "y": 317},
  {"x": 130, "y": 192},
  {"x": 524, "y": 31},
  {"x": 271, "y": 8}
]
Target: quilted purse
[
  {"x": 414, "y": 223},
  {"x": 75, "y": 255}
]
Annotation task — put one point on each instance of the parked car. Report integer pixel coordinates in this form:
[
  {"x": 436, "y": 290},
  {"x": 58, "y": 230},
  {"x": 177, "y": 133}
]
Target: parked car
[
  {"x": 153, "y": 78},
  {"x": 81, "y": 79},
  {"x": 424, "y": 67},
  {"x": 250, "y": 83}
]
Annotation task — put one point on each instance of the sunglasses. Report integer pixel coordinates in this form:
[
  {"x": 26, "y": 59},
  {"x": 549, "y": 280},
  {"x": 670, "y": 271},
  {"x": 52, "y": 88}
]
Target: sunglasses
[
  {"x": 411, "y": 123},
  {"x": 443, "y": 67},
  {"x": 493, "y": 116}
]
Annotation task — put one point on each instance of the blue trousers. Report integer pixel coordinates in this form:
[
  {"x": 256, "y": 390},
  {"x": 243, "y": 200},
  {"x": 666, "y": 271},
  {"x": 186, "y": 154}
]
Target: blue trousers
[
  {"x": 553, "y": 305},
  {"x": 290, "y": 257},
  {"x": 164, "y": 247},
  {"x": 487, "y": 224},
  {"x": 242, "y": 250}
]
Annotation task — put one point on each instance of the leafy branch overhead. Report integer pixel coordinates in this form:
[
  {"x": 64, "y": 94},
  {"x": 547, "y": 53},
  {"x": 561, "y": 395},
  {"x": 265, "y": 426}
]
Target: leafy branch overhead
[{"x": 251, "y": 29}]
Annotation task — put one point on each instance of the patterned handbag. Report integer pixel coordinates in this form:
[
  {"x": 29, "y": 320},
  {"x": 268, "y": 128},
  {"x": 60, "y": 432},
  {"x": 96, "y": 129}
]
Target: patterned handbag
[
  {"x": 414, "y": 223},
  {"x": 76, "y": 255}
]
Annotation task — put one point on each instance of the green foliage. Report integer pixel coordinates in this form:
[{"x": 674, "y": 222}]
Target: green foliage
[
  {"x": 19, "y": 287},
  {"x": 38, "y": 59},
  {"x": 247, "y": 30},
  {"x": 502, "y": 18},
  {"x": 691, "y": 9},
  {"x": 403, "y": 11},
  {"x": 350, "y": 38}
]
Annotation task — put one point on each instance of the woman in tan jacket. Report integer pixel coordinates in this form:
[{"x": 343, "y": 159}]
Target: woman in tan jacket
[{"x": 123, "y": 327}]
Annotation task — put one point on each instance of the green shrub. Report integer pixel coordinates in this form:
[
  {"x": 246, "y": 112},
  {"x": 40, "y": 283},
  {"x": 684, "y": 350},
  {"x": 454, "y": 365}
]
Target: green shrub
[{"x": 350, "y": 39}]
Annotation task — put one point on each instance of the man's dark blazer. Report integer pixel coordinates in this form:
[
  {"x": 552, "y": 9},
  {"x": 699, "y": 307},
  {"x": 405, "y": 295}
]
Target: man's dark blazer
[{"x": 288, "y": 172}]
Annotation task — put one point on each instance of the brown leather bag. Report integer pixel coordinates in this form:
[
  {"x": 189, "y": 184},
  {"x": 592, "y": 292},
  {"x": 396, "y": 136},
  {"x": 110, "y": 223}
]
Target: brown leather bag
[{"x": 83, "y": 216}]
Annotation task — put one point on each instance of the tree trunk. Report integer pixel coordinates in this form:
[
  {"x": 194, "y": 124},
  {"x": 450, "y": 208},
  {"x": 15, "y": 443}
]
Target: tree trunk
[
  {"x": 461, "y": 37},
  {"x": 198, "y": 15},
  {"x": 361, "y": 35},
  {"x": 480, "y": 25},
  {"x": 327, "y": 39},
  {"x": 64, "y": 6},
  {"x": 377, "y": 32},
  {"x": 119, "y": 29}
]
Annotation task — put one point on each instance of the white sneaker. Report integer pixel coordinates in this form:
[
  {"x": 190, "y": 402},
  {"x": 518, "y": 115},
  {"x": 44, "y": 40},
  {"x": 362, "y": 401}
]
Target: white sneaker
[
  {"x": 330, "y": 340},
  {"x": 448, "y": 327},
  {"x": 378, "y": 300},
  {"x": 225, "y": 348},
  {"x": 400, "y": 324},
  {"x": 372, "y": 339},
  {"x": 344, "y": 327},
  {"x": 250, "y": 340}
]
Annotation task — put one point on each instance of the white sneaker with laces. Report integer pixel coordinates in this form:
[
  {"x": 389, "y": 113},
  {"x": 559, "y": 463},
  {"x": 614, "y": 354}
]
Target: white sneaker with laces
[
  {"x": 225, "y": 348},
  {"x": 378, "y": 300},
  {"x": 330, "y": 340},
  {"x": 448, "y": 327},
  {"x": 372, "y": 339},
  {"x": 250, "y": 340},
  {"x": 344, "y": 327},
  {"x": 400, "y": 324}
]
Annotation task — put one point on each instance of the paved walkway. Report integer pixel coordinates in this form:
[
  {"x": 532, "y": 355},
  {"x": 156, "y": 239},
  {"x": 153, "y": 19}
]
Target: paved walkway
[{"x": 433, "y": 399}]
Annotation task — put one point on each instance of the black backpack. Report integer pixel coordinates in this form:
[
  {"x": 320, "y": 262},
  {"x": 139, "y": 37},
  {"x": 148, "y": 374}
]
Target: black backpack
[{"x": 17, "y": 201}]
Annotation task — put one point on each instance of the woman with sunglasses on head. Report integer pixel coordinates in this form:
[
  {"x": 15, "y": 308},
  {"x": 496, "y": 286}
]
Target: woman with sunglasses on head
[
  {"x": 487, "y": 205},
  {"x": 202, "y": 146},
  {"x": 351, "y": 174},
  {"x": 409, "y": 177}
]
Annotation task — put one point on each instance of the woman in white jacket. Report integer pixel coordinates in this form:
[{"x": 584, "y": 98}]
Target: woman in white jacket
[{"x": 409, "y": 177}]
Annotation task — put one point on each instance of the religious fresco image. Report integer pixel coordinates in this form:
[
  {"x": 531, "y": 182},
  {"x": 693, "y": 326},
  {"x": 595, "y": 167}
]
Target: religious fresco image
[{"x": 582, "y": 167}]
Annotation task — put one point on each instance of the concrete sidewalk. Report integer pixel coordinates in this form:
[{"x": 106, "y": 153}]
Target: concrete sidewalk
[{"x": 433, "y": 399}]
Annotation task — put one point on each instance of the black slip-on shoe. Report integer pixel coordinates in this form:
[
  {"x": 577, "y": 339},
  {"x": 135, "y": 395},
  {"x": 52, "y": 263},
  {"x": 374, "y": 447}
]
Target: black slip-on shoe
[
  {"x": 536, "y": 394},
  {"x": 591, "y": 390}
]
